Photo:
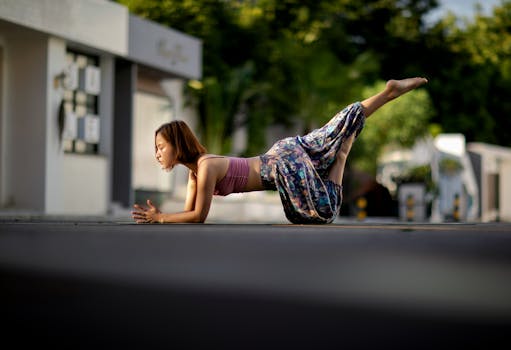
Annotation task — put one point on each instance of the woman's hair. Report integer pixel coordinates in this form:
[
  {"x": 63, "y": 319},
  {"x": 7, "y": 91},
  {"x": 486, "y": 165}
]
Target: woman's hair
[{"x": 187, "y": 147}]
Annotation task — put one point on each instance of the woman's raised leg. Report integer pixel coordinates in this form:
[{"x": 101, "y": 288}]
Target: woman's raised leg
[{"x": 393, "y": 90}]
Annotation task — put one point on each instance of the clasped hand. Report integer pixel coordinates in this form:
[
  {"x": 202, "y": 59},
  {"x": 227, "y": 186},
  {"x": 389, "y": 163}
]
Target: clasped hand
[{"x": 146, "y": 215}]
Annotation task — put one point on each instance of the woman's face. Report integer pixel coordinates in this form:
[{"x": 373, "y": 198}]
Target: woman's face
[{"x": 164, "y": 153}]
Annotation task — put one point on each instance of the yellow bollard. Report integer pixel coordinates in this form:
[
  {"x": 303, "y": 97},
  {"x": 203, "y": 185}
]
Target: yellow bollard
[
  {"x": 361, "y": 208},
  {"x": 456, "y": 208}
]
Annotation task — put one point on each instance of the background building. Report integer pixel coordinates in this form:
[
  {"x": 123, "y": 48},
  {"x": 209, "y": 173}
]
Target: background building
[
  {"x": 83, "y": 85},
  {"x": 471, "y": 180},
  {"x": 492, "y": 166}
]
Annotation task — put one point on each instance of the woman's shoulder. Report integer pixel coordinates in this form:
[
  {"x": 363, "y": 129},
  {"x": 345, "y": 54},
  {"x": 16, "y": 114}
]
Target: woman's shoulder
[
  {"x": 213, "y": 164},
  {"x": 213, "y": 161},
  {"x": 205, "y": 158}
]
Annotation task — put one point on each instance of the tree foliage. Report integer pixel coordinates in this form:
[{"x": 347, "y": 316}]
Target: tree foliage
[
  {"x": 473, "y": 75},
  {"x": 282, "y": 61}
]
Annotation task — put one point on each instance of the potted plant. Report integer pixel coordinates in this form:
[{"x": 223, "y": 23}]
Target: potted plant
[{"x": 449, "y": 166}]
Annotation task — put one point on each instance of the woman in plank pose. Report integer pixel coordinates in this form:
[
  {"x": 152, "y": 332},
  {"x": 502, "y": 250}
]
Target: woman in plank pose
[{"x": 307, "y": 171}]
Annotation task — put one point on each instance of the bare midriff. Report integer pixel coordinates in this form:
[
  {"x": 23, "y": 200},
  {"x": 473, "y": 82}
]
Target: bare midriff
[{"x": 254, "y": 182}]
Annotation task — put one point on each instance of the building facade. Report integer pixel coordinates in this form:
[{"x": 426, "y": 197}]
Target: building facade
[
  {"x": 492, "y": 166},
  {"x": 83, "y": 85},
  {"x": 471, "y": 179}
]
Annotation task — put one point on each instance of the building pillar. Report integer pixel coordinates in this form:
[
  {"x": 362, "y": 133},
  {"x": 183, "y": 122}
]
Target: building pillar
[{"x": 125, "y": 87}]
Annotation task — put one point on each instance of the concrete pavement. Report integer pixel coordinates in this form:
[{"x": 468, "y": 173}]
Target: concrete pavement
[{"x": 105, "y": 283}]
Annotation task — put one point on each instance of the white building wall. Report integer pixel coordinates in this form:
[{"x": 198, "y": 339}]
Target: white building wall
[
  {"x": 24, "y": 119},
  {"x": 505, "y": 192},
  {"x": 174, "y": 90},
  {"x": 54, "y": 175},
  {"x": 487, "y": 214},
  {"x": 85, "y": 185},
  {"x": 151, "y": 111}
]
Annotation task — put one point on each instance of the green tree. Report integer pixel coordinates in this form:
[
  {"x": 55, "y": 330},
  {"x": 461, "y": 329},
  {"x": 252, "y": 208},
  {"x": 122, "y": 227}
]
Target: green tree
[
  {"x": 310, "y": 83},
  {"x": 468, "y": 62},
  {"x": 218, "y": 104},
  {"x": 396, "y": 125},
  {"x": 228, "y": 69},
  {"x": 309, "y": 57},
  {"x": 487, "y": 40}
]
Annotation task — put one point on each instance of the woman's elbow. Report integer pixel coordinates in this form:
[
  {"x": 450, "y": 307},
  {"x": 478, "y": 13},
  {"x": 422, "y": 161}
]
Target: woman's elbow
[{"x": 199, "y": 218}]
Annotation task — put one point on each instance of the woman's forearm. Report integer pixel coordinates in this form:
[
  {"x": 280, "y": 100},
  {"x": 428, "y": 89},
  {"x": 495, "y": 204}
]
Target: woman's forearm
[
  {"x": 190, "y": 216},
  {"x": 191, "y": 194}
]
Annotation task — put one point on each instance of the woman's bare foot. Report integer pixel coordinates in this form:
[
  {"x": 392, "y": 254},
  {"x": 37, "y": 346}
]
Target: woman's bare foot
[
  {"x": 393, "y": 89},
  {"x": 396, "y": 88}
]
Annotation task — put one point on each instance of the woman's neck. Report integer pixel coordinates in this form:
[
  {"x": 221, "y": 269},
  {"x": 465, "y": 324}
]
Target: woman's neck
[{"x": 194, "y": 166}]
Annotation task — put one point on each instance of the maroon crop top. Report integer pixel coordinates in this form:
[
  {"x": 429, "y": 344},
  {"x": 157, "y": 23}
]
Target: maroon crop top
[{"x": 235, "y": 179}]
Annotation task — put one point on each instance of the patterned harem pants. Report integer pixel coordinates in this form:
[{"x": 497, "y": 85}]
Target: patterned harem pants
[{"x": 297, "y": 167}]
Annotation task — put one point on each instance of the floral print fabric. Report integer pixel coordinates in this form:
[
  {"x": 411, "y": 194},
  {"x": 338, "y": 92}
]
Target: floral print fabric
[{"x": 297, "y": 167}]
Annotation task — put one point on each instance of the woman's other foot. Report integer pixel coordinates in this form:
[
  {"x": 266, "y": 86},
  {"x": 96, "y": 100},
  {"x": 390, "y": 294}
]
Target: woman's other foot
[{"x": 337, "y": 168}]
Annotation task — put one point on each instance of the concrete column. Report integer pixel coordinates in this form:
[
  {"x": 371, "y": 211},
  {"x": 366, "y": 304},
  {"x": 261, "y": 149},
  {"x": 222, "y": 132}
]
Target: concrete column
[
  {"x": 53, "y": 198},
  {"x": 106, "y": 112},
  {"x": 125, "y": 87}
]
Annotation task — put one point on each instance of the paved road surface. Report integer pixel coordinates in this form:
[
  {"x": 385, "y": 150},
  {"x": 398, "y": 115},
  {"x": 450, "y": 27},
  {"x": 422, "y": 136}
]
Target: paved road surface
[{"x": 118, "y": 285}]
